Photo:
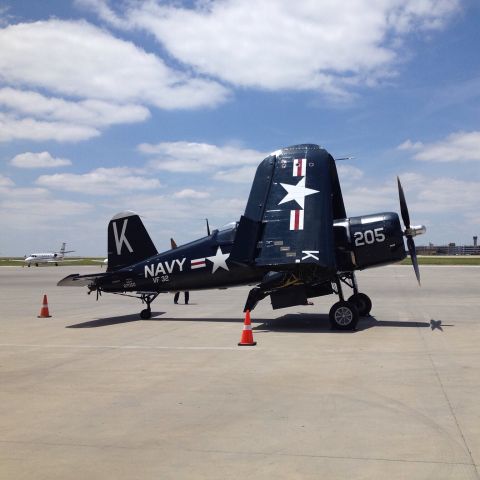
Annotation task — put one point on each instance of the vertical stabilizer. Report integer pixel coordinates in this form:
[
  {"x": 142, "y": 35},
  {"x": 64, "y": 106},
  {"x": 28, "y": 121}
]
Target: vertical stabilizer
[{"x": 128, "y": 241}]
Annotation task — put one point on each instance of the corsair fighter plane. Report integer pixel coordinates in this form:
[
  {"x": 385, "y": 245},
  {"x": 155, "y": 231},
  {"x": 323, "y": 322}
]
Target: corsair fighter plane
[{"x": 293, "y": 242}]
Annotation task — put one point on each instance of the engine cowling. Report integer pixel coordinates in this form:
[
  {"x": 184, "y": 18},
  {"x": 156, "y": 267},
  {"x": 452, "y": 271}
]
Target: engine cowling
[{"x": 368, "y": 241}]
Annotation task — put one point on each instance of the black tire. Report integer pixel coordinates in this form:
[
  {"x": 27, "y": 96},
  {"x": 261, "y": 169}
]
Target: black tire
[
  {"x": 145, "y": 314},
  {"x": 363, "y": 304},
  {"x": 343, "y": 316}
]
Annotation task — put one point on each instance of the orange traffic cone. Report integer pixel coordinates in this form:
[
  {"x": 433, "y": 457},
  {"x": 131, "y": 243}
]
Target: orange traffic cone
[
  {"x": 44, "y": 313},
  {"x": 247, "y": 335}
]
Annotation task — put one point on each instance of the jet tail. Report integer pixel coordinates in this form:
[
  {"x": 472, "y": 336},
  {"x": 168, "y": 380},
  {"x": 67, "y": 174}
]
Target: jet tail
[
  {"x": 128, "y": 241},
  {"x": 63, "y": 251}
]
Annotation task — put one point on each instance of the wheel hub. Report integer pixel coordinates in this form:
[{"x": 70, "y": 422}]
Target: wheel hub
[{"x": 343, "y": 316}]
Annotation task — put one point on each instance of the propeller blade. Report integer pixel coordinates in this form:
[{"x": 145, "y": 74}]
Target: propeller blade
[
  {"x": 413, "y": 255},
  {"x": 403, "y": 205}
]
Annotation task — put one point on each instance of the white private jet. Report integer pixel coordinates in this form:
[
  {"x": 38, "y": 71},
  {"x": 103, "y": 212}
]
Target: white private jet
[{"x": 45, "y": 258}]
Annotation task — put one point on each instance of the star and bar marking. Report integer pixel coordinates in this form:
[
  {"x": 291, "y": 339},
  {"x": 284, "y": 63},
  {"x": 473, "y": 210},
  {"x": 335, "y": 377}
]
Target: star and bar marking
[
  {"x": 297, "y": 193},
  {"x": 218, "y": 260}
]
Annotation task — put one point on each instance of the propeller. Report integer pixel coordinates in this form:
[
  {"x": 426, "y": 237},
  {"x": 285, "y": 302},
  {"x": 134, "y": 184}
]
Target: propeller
[{"x": 410, "y": 231}]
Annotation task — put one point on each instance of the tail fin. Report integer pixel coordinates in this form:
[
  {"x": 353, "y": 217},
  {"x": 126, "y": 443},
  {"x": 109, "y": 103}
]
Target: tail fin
[
  {"x": 128, "y": 241},
  {"x": 63, "y": 251}
]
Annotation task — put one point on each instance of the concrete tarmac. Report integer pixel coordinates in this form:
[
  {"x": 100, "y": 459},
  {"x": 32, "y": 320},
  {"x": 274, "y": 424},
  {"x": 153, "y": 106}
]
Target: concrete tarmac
[{"x": 94, "y": 392}]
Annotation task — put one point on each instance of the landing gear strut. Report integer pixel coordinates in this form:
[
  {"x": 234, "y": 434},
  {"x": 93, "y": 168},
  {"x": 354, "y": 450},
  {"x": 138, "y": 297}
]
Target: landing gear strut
[
  {"x": 361, "y": 300},
  {"x": 344, "y": 315},
  {"x": 147, "y": 298}
]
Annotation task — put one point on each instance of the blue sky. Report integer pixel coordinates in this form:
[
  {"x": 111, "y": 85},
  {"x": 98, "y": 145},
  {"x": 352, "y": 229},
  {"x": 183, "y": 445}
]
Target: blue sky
[{"x": 166, "y": 108}]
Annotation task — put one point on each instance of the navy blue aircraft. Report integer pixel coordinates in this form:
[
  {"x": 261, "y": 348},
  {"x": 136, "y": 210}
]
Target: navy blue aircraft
[{"x": 294, "y": 242}]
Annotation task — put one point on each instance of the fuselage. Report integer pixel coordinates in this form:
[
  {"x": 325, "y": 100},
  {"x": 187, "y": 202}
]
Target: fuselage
[
  {"x": 361, "y": 242},
  {"x": 201, "y": 264}
]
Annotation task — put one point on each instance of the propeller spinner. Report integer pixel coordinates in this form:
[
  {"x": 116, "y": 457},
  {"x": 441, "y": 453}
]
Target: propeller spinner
[{"x": 410, "y": 231}]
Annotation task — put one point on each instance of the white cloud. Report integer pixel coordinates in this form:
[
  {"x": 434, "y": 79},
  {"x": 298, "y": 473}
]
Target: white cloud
[
  {"x": 442, "y": 194},
  {"x": 456, "y": 147},
  {"x": 237, "y": 175},
  {"x": 190, "y": 193},
  {"x": 198, "y": 157},
  {"x": 12, "y": 128},
  {"x": 6, "y": 181},
  {"x": 348, "y": 173},
  {"x": 107, "y": 81},
  {"x": 81, "y": 60},
  {"x": 38, "y": 160},
  {"x": 86, "y": 112},
  {"x": 32, "y": 210},
  {"x": 101, "y": 181},
  {"x": 279, "y": 44},
  {"x": 431, "y": 200}
]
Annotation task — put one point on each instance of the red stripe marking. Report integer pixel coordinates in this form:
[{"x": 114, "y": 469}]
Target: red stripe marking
[
  {"x": 297, "y": 220},
  {"x": 299, "y": 167},
  {"x": 198, "y": 262}
]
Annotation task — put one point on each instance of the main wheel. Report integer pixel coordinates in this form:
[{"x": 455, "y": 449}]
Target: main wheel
[
  {"x": 145, "y": 314},
  {"x": 343, "y": 316},
  {"x": 362, "y": 302}
]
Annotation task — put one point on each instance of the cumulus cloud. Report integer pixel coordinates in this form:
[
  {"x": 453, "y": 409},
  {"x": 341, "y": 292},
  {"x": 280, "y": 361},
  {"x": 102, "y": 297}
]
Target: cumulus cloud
[
  {"x": 38, "y": 160},
  {"x": 13, "y": 128},
  {"x": 91, "y": 112},
  {"x": 456, "y": 147},
  {"x": 6, "y": 181},
  {"x": 101, "y": 181},
  {"x": 279, "y": 44},
  {"x": 198, "y": 157},
  {"x": 431, "y": 200},
  {"x": 92, "y": 80},
  {"x": 441, "y": 194},
  {"x": 32, "y": 210},
  {"x": 190, "y": 193},
  {"x": 349, "y": 173},
  {"x": 99, "y": 66},
  {"x": 237, "y": 175}
]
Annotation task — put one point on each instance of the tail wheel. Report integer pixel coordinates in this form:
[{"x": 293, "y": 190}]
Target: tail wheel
[
  {"x": 343, "y": 316},
  {"x": 145, "y": 314},
  {"x": 362, "y": 302}
]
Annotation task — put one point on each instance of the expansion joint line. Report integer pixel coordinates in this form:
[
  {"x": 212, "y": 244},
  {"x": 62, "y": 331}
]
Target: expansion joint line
[{"x": 450, "y": 406}]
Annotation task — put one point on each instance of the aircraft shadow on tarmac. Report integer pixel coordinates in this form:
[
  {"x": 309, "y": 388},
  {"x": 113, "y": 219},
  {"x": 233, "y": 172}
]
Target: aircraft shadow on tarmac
[
  {"x": 299, "y": 322},
  {"x": 321, "y": 323},
  {"x": 106, "y": 321}
]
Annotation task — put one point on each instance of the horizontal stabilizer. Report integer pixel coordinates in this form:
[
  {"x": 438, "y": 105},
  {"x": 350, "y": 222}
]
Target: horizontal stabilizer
[{"x": 76, "y": 280}]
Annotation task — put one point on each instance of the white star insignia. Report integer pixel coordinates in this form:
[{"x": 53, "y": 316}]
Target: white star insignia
[
  {"x": 297, "y": 192},
  {"x": 219, "y": 260}
]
